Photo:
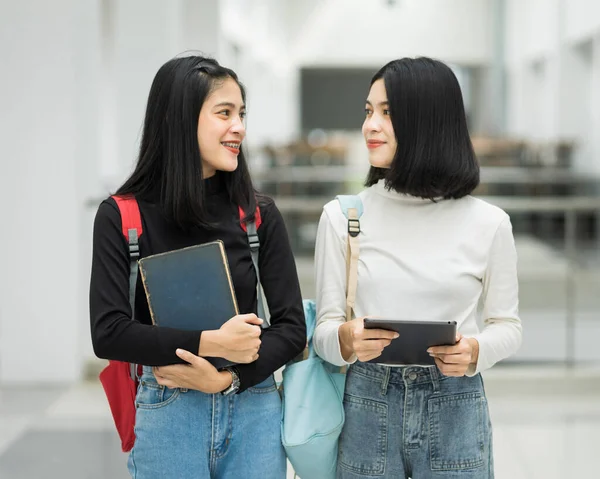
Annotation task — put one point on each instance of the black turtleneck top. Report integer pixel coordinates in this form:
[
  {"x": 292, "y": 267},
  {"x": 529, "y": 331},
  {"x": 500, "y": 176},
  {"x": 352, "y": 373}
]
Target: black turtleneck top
[{"x": 115, "y": 336}]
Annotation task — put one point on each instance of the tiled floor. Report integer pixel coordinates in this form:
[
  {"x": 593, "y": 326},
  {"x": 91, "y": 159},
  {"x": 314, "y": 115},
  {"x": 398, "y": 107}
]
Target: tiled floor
[{"x": 546, "y": 423}]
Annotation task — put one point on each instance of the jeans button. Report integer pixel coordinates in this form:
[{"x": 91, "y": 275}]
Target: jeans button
[{"x": 412, "y": 376}]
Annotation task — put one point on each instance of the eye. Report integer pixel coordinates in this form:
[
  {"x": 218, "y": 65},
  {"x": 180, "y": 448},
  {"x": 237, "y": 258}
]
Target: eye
[
  {"x": 386, "y": 112},
  {"x": 223, "y": 112},
  {"x": 242, "y": 114},
  {"x": 368, "y": 111}
]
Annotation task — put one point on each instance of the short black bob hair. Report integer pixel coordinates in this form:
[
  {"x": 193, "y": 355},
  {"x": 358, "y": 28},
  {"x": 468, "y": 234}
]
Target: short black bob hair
[
  {"x": 168, "y": 171},
  {"x": 434, "y": 158}
]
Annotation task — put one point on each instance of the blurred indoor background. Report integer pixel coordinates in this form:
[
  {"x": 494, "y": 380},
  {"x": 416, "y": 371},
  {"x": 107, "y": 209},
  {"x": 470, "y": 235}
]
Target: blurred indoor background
[{"x": 74, "y": 80}]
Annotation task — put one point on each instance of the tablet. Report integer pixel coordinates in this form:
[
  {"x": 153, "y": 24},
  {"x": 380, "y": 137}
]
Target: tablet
[{"x": 415, "y": 337}]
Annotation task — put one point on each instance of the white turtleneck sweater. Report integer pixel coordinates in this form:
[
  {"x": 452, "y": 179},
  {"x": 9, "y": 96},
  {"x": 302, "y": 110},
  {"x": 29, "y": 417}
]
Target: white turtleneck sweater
[{"x": 420, "y": 260}]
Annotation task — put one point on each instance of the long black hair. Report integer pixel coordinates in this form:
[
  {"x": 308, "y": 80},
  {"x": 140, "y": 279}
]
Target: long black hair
[
  {"x": 434, "y": 157},
  {"x": 169, "y": 166}
]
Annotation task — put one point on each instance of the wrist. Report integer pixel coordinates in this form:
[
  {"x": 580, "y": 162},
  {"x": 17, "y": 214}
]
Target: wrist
[
  {"x": 474, "y": 350},
  {"x": 225, "y": 379},
  {"x": 210, "y": 345},
  {"x": 345, "y": 340}
]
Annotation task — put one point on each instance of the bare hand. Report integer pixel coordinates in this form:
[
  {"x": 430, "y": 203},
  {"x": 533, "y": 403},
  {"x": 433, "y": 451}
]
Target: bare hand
[
  {"x": 198, "y": 374},
  {"x": 367, "y": 344},
  {"x": 455, "y": 360},
  {"x": 238, "y": 340}
]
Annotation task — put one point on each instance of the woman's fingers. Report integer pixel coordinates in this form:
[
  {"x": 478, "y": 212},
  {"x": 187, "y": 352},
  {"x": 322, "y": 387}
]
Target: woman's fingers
[
  {"x": 368, "y": 356},
  {"x": 457, "y": 370},
  {"x": 453, "y": 358},
  {"x": 371, "y": 345},
  {"x": 378, "y": 334}
]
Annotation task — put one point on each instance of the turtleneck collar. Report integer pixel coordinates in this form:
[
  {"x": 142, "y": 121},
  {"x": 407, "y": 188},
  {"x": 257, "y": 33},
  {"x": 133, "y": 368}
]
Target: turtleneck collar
[
  {"x": 380, "y": 189},
  {"x": 215, "y": 184}
]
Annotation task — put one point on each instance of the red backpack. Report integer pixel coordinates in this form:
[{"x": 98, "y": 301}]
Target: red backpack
[{"x": 120, "y": 379}]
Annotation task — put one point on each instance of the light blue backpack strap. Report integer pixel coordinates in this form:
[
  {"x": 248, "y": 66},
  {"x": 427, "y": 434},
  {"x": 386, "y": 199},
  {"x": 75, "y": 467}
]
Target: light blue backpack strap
[
  {"x": 310, "y": 317},
  {"x": 254, "y": 247},
  {"x": 350, "y": 201}
]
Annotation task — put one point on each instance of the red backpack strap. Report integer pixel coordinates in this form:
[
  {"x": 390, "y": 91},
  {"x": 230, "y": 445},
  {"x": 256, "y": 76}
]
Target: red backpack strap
[
  {"x": 130, "y": 215},
  {"x": 257, "y": 218},
  {"x": 131, "y": 226}
]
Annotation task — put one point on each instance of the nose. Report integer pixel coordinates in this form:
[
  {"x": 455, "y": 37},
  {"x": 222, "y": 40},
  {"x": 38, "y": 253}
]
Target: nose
[
  {"x": 238, "y": 128},
  {"x": 372, "y": 124}
]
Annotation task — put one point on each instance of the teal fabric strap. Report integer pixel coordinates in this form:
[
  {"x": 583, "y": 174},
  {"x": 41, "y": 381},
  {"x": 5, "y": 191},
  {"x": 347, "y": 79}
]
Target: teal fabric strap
[{"x": 350, "y": 201}]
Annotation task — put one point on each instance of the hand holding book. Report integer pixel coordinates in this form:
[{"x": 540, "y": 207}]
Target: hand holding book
[
  {"x": 197, "y": 374},
  {"x": 192, "y": 289},
  {"x": 238, "y": 340}
]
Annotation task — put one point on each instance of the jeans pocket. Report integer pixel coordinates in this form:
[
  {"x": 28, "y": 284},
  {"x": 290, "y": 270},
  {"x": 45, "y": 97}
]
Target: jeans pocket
[
  {"x": 457, "y": 431},
  {"x": 151, "y": 395},
  {"x": 363, "y": 443}
]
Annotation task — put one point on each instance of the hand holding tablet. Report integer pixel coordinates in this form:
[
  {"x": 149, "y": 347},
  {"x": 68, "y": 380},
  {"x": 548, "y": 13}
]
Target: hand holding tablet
[{"x": 415, "y": 338}]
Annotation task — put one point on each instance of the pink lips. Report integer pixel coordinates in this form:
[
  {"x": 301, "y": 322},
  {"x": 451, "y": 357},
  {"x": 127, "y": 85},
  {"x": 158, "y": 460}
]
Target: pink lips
[{"x": 372, "y": 144}]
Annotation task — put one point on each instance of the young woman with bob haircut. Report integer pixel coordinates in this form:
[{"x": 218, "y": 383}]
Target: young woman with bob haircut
[
  {"x": 190, "y": 180},
  {"x": 428, "y": 251}
]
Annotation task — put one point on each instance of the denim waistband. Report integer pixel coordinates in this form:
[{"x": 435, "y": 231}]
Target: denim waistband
[{"x": 407, "y": 375}]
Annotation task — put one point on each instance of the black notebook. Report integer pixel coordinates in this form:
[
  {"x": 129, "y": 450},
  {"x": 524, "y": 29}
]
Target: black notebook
[{"x": 190, "y": 289}]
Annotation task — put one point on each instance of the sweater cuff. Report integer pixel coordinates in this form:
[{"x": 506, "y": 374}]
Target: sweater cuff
[{"x": 327, "y": 343}]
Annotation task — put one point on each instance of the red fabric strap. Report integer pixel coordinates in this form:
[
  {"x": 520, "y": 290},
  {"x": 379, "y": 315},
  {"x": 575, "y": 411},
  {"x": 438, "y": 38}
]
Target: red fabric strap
[
  {"x": 130, "y": 215},
  {"x": 257, "y": 218}
]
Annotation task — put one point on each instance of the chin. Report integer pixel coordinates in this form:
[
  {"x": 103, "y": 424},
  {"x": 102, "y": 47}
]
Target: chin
[
  {"x": 229, "y": 166},
  {"x": 379, "y": 162}
]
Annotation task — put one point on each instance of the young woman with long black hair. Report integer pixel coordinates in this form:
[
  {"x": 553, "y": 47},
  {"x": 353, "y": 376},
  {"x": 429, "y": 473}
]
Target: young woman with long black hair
[{"x": 190, "y": 180}]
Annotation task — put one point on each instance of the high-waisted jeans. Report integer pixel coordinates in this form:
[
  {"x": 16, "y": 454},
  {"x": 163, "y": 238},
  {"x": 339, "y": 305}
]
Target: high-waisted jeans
[
  {"x": 186, "y": 434},
  {"x": 414, "y": 422}
]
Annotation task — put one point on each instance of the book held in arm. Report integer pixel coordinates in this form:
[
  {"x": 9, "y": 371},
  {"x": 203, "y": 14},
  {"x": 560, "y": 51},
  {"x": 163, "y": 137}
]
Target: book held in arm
[{"x": 190, "y": 289}]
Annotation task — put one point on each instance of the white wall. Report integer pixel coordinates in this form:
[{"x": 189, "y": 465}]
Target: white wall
[
  {"x": 553, "y": 67},
  {"x": 371, "y": 33},
  {"x": 45, "y": 160},
  {"x": 582, "y": 19},
  {"x": 263, "y": 33},
  {"x": 276, "y": 38}
]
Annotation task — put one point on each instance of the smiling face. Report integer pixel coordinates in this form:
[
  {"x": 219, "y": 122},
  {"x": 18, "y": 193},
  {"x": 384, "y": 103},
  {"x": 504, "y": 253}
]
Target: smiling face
[
  {"x": 377, "y": 127},
  {"x": 221, "y": 128}
]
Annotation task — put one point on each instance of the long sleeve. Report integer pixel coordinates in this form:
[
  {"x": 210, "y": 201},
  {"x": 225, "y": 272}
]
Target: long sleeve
[
  {"x": 114, "y": 335},
  {"x": 330, "y": 278},
  {"x": 502, "y": 332},
  {"x": 286, "y": 336}
]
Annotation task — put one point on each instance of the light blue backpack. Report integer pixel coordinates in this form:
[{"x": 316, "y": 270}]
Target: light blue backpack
[{"x": 313, "y": 390}]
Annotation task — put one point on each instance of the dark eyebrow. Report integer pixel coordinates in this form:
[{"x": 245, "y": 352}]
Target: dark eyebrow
[
  {"x": 229, "y": 104},
  {"x": 381, "y": 103}
]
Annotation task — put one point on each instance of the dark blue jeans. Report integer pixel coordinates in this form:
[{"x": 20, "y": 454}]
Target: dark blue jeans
[{"x": 414, "y": 422}]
